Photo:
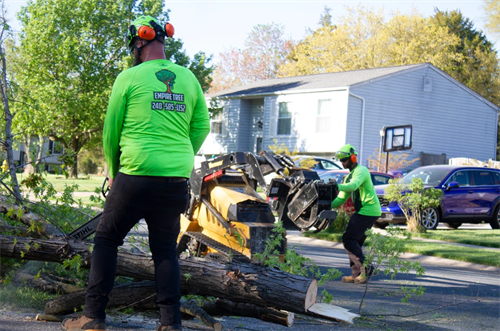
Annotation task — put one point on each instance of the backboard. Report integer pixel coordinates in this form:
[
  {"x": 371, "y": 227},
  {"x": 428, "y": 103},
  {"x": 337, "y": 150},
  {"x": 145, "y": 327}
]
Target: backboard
[{"x": 397, "y": 138}]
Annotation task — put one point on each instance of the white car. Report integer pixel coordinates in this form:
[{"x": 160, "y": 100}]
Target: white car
[{"x": 322, "y": 164}]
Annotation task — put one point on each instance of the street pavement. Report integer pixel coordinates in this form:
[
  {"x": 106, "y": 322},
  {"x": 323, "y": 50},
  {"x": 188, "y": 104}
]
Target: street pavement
[{"x": 459, "y": 296}]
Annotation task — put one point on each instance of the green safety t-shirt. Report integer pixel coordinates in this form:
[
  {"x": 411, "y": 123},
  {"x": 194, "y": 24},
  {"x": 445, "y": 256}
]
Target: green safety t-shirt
[
  {"x": 358, "y": 184},
  {"x": 157, "y": 120}
]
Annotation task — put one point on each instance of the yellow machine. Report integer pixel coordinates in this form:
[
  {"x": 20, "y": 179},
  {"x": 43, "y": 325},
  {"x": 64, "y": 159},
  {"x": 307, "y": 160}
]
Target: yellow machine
[{"x": 227, "y": 218}]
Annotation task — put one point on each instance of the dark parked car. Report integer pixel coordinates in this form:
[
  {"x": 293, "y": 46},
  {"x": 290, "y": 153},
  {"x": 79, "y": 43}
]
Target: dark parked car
[
  {"x": 322, "y": 164},
  {"x": 471, "y": 195},
  {"x": 378, "y": 178}
]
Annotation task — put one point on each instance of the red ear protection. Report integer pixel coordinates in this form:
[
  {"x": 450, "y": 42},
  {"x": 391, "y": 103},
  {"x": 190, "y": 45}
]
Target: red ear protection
[
  {"x": 169, "y": 30},
  {"x": 146, "y": 33},
  {"x": 354, "y": 158}
]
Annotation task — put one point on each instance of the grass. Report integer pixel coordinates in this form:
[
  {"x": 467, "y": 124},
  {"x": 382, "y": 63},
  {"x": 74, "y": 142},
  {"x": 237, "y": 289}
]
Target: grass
[
  {"x": 24, "y": 297},
  {"x": 454, "y": 252},
  {"x": 85, "y": 184},
  {"x": 486, "y": 238}
]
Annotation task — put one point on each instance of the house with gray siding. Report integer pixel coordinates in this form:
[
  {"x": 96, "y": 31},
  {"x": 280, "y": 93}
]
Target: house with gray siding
[{"x": 317, "y": 114}]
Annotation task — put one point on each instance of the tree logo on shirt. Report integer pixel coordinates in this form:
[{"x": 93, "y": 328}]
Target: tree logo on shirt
[{"x": 167, "y": 77}]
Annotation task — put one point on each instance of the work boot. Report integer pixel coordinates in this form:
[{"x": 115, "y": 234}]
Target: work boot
[
  {"x": 169, "y": 328},
  {"x": 361, "y": 279},
  {"x": 347, "y": 279},
  {"x": 83, "y": 323}
]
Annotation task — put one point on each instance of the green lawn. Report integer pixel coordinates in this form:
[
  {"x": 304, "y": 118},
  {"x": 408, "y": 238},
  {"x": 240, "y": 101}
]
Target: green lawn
[
  {"x": 84, "y": 184},
  {"x": 487, "y": 238},
  {"x": 454, "y": 252}
]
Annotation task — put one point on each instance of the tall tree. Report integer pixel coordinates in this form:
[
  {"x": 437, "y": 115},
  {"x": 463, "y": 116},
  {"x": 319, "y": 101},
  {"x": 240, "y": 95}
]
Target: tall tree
[
  {"x": 266, "y": 49},
  {"x": 363, "y": 40},
  {"x": 492, "y": 11},
  {"x": 71, "y": 53},
  {"x": 5, "y": 92},
  {"x": 478, "y": 67}
]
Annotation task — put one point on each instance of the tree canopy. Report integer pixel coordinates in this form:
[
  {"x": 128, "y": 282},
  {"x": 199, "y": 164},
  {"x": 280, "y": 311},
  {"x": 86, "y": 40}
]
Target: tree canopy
[
  {"x": 266, "y": 49},
  {"x": 492, "y": 11},
  {"x": 363, "y": 40},
  {"x": 477, "y": 66},
  {"x": 68, "y": 56}
]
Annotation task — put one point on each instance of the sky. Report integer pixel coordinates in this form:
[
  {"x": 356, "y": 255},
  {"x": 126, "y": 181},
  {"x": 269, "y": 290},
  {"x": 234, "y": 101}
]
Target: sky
[{"x": 213, "y": 26}]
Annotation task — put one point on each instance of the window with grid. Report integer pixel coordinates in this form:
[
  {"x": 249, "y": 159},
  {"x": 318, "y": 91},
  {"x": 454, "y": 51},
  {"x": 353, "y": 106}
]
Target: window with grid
[
  {"x": 284, "y": 118},
  {"x": 323, "y": 116},
  {"x": 216, "y": 123}
]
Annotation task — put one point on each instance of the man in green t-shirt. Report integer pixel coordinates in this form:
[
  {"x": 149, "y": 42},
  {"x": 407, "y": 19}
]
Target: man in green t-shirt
[
  {"x": 156, "y": 121},
  {"x": 359, "y": 186}
]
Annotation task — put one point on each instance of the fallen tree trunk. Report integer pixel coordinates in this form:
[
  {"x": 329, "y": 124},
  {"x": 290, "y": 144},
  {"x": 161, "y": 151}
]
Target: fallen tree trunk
[
  {"x": 238, "y": 282},
  {"x": 141, "y": 295},
  {"x": 44, "y": 283},
  {"x": 268, "y": 314}
]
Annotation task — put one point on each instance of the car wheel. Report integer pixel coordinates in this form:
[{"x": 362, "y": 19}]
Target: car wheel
[
  {"x": 453, "y": 225},
  {"x": 430, "y": 218},
  {"x": 380, "y": 225},
  {"x": 495, "y": 221}
]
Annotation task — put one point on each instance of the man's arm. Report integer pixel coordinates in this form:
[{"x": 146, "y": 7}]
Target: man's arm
[
  {"x": 113, "y": 126},
  {"x": 341, "y": 198},
  {"x": 200, "y": 121}
]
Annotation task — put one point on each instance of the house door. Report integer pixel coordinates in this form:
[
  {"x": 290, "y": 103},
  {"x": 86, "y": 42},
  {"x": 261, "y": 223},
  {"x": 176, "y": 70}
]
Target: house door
[{"x": 258, "y": 145}]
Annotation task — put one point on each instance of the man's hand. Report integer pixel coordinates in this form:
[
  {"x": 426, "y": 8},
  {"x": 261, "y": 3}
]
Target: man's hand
[{"x": 110, "y": 182}]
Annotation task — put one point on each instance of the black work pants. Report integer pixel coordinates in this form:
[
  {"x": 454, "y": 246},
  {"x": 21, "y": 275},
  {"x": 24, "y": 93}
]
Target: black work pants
[
  {"x": 160, "y": 203},
  {"x": 354, "y": 237}
]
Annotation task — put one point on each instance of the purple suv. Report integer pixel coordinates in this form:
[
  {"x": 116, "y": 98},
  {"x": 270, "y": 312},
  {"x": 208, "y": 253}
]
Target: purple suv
[{"x": 471, "y": 195}]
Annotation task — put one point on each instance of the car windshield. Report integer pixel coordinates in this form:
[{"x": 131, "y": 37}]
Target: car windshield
[
  {"x": 429, "y": 176},
  {"x": 338, "y": 176}
]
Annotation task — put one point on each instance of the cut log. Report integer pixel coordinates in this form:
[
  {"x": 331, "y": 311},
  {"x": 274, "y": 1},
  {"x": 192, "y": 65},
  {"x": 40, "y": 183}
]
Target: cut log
[
  {"x": 44, "y": 283},
  {"x": 191, "y": 308},
  {"x": 141, "y": 295},
  {"x": 238, "y": 282},
  {"x": 268, "y": 314}
]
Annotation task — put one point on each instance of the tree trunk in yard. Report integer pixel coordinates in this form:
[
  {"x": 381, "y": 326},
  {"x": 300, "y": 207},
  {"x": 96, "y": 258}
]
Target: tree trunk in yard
[
  {"x": 8, "y": 122},
  {"x": 238, "y": 282}
]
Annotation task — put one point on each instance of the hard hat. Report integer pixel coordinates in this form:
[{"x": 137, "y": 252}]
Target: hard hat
[{"x": 346, "y": 151}]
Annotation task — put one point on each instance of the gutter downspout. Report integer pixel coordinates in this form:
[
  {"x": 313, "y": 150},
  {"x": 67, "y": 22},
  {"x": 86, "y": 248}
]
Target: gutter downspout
[{"x": 362, "y": 127}]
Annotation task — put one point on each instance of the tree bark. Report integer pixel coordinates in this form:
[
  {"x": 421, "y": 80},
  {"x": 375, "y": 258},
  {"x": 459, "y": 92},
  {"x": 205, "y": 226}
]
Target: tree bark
[
  {"x": 237, "y": 282},
  {"x": 268, "y": 314},
  {"x": 8, "y": 117}
]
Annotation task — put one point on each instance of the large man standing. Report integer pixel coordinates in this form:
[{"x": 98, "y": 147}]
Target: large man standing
[
  {"x": 156, "y": 121},
  {"x": 357, "y": 184}
]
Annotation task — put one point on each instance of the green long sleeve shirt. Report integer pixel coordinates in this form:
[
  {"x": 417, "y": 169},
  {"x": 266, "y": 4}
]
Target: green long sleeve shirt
[
  {"x": 157, "y": 120},
  {"x": 358, "y": 184}
]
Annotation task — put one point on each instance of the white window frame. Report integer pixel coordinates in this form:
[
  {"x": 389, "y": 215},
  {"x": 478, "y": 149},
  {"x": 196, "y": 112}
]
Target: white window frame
[
  {"x": 216, "y": 120},
  {"x": 323, "y": 116}
]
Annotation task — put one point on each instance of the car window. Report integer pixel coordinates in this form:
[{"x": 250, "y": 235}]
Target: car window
[
  {"x": 483, "y": 177},
  {"x": 328, "y": 165},
  {"x": 429, "y": 176},
  {"x": 380, "y": 179},
  {"x": 339, "y": 177},
  {"x": 462, "y": 177},
  {"x": 496, "y": 174}
]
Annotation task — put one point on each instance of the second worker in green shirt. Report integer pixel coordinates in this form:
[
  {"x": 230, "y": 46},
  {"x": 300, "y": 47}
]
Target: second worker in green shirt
[{"x": 359, "y": 186}]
